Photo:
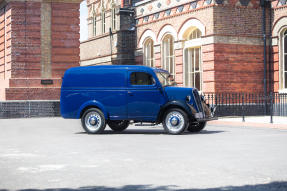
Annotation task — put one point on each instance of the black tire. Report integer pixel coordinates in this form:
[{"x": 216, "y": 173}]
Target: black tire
[
  {"x": 118, "y": 126},
  {"x": 196, "y": 127},
  {"x": 90, "y": 115},
  {"x": 181, "y": 119}
]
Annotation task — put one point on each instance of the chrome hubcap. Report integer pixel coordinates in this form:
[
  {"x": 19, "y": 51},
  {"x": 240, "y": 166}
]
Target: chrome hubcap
[
  {"x": 93, "y": 121},
  {"x": 174, "y": 121}
]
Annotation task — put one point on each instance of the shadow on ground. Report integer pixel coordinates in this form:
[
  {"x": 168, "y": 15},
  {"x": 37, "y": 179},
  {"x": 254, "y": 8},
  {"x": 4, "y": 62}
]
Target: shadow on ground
[
  {"x": 150, "y": 132},
  {"x": 273, "y": 186}
]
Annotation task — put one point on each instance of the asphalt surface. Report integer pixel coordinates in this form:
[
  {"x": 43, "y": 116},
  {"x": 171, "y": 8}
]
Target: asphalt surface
[{"x": 54, "y": 153}]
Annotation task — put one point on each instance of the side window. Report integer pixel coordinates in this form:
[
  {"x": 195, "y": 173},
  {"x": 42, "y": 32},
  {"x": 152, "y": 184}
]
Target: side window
[{"x": 141, "y": 78}]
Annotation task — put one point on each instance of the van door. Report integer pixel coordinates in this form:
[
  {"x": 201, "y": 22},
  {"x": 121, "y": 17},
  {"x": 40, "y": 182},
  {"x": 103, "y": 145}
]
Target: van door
[{"x": 144, "y": 97}]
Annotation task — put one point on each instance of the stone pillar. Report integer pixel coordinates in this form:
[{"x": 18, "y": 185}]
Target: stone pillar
[
  {"x": 46, "y": 40},
  {"x": 41, "y": 41}
]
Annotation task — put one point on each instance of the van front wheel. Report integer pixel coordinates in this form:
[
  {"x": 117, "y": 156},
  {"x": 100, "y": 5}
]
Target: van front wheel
[
  {"x": 93, "y": 121},
  {"x": 118, "y": 126},
  {"x": 175, "y": 121},
  {"x": 196, "y": 127}
]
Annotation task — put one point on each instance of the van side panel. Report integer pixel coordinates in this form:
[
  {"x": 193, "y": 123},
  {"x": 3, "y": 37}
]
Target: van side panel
[{"x": 104, "y": 88}]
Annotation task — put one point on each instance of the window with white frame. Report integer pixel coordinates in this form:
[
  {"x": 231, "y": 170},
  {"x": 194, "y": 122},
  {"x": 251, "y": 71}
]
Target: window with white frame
[
  {"x": 193, "y": 69},
  {"x": 284, "y": 61},
  {"x": 193, "y": 62},
  {"x": 148, "y": 53},
  {"x": 103, "y": 18},
  {"x": 113, "y": 20},
  {"x": 94, "y": 25},
  {"x": 168, "y": 54}
]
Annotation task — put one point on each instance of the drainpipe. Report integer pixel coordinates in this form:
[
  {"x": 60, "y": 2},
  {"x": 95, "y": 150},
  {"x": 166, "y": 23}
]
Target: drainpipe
[
  {"x": 111, "y": 43},
  {"x": 271, "y": 84},
  {"x": 263, "y": 5},
  {"x": 5, "y": 47}
]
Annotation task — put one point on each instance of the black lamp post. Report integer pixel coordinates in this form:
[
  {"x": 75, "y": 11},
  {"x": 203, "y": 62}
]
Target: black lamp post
[
  {"x": 111, "y": 43},
  {"x": 263, "y": 4}
]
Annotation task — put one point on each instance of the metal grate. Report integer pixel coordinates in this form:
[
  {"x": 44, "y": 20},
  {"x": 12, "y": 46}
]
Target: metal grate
[
  {"x": 197, "y": 100},
  {"x": 247, "y": 104}
]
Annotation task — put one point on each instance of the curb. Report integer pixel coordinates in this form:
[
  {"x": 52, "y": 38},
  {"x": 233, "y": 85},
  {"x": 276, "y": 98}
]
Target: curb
[{"x": 247, "y": 124}]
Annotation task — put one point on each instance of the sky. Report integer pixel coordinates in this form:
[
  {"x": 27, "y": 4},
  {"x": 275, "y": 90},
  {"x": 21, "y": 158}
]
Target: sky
[{"x": 83, "y": 21}]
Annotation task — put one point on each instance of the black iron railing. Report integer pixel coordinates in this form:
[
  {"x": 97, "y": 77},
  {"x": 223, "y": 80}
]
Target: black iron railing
[{"x": 246, "y": 104}]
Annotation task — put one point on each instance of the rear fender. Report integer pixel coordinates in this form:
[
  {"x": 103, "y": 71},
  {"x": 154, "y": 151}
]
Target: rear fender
[{"x": 92, "y": 104}]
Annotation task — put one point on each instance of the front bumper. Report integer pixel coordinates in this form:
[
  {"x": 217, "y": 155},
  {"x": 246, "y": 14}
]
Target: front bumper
[
  {"x": 207, "y": 119},
  {"x": 202, "y": 116}
]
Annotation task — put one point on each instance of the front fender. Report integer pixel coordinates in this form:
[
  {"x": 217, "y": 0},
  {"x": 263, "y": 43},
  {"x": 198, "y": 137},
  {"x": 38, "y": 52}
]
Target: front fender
[
  {"x": 173, "y": 104},
  {"x": 92, "y": 103}
]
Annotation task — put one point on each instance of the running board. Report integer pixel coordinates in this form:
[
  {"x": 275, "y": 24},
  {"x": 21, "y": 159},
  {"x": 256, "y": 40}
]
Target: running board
[{"x": 145, "y": 124}]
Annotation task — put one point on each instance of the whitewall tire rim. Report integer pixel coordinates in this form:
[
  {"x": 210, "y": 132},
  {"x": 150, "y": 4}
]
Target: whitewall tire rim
[
  {"x": 93, "y": 121},
  {"x": 174, "y": 121}
]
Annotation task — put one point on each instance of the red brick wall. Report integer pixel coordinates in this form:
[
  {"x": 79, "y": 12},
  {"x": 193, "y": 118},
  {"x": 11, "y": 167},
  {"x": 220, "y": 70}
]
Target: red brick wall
[
  {"x": 240, "y": 21},
  {"x": 34, "y": 93},
  {"x": 238, "y": 68},
  {"x": 208, "y": 68},
  {"x": 178, "y": 57},
  {"x": 24, "y": 40},
  {"x": 275, "y": 68},
  {"x": 65, "y": 37}
]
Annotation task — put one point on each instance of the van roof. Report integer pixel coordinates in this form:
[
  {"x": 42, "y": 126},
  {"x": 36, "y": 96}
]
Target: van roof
[{"x": 124, "y": 67}]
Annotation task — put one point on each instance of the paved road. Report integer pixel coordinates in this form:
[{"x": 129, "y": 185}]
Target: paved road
[{"x": 55, "y": 153}]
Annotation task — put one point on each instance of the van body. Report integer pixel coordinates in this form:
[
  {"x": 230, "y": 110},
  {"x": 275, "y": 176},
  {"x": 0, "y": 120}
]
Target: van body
[{"x": 120, "y": 93}]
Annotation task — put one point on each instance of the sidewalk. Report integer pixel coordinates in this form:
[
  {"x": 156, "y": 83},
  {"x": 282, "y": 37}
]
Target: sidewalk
[{"x": 252, "y": 121}]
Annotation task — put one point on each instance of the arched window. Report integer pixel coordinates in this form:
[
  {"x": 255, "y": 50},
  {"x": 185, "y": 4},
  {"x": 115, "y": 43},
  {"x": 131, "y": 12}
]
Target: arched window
[
  {"x": 168, "y": 54},
  {"x": 193, "y": 62},
  {"x": 283, "y": 64},
  {"x": 148, "y": 57},
  {"x": 195, "y": 34}
]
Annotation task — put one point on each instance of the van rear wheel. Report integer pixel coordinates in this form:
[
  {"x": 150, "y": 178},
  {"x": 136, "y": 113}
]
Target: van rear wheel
[
  {"x": 118, "y": 126},
  {"x": 175, "y": 121},
  {"x": 93, "y": 121}
]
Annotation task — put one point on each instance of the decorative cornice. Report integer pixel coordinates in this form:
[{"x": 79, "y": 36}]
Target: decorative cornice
[{"x": 174, "y": 15}]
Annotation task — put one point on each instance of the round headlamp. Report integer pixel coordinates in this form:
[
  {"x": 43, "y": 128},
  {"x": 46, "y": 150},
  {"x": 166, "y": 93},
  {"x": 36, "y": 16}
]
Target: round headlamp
[
  {"x": 202, "y": 98},
  {"x": 188, "y": 98}
]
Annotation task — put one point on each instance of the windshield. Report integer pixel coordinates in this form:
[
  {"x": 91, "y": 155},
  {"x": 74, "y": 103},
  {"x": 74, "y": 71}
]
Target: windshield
[{"x": 165, "y": 79}]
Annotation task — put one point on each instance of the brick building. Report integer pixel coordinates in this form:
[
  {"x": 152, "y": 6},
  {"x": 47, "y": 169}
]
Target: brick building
[
  {"x": 214, "y": 45},
  {"x": 39, "y": 40},
  {"x": 111, "y": 29}
]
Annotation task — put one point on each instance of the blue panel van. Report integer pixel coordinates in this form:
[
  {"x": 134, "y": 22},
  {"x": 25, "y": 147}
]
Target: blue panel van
[{"x": 118, "y": 95}]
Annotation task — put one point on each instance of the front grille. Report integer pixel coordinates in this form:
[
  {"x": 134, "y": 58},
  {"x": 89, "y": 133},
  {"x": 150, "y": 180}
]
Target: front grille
[{"x": 197, "y": 100}]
